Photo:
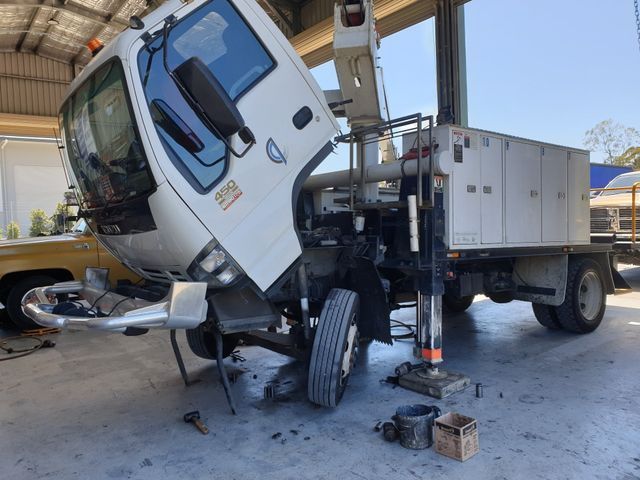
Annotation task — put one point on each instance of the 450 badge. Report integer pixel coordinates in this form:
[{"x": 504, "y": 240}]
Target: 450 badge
[{"x": 228, "y": 194}]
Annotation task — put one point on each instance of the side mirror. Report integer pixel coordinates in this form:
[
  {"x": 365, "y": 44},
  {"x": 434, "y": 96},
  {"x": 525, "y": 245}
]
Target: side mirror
[{"x": 208, "y": 98}]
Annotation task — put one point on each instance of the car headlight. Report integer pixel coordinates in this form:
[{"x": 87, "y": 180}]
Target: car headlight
[
  {"x": 613, "y": 219},
  {"x": 215, "y": 266}
]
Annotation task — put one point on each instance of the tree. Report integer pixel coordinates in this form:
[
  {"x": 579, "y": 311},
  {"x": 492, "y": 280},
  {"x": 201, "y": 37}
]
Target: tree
[
  {"x": 13, "y": 230},
  {"x": 40, "y": 223},
  {"x": 630, "y": 158},
  {"x": 612, "y": 138},
  {"x": 59, "y": 221}
]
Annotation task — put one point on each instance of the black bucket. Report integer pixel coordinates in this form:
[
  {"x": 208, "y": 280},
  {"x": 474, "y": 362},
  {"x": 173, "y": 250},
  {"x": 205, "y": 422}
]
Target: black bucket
[{"x": 415, "y": 424}]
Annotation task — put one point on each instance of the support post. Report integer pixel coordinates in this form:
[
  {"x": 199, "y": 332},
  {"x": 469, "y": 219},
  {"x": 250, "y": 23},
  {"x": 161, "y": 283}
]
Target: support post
[
  {"x": 429, "y": 329},
  {"x": 451, "y": 63},
  {"x": 426, "y": 377}
]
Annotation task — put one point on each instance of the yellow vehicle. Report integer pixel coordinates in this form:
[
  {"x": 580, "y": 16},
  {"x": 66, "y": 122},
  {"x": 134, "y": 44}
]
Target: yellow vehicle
[
  {"x": 27, "y": 263},
  {"x": 615, "y": 216}
]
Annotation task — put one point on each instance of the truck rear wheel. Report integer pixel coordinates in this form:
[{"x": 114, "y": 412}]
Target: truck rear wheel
[
  {"x": 585, "y": 300},
  {"x": 457, "y": 304},
  {"x": 546, "y": 316},
  {"x": 14, "y": 299},
  {"x": 202, "y": 343},
  {"x": 334, "y": 348},
  {"x": 501, "y": 297}
]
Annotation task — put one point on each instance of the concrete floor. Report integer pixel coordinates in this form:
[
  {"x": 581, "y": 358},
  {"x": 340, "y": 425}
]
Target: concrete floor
[{"x": 555, "y": 405}]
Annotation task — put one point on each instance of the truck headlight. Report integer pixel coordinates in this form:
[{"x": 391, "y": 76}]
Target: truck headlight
[{"x": 215, "y": 266}]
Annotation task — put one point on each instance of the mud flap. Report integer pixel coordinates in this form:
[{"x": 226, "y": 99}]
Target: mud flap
[
  {"x": 365, "y": 280},
  {"x": 618, "y": 281}
]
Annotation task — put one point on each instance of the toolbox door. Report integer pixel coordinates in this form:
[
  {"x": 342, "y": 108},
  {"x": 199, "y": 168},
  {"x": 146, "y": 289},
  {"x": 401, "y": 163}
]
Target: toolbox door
[
  {"x": 491, "y": 190},
  {"x": 554, "y": 194},
  {"x": 523, "y": 203},
  {"x": 466, "y": 188},
  {"x": 578, "y": 198}
]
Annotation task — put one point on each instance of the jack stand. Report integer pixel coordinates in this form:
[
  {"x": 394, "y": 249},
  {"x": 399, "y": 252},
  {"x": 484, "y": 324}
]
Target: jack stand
[
  {"x": 178, "y": 355},
  {"x": 224, "y": 378},
  {"x": 428, "y": 378},
  {"x": 221, "y": 368}
]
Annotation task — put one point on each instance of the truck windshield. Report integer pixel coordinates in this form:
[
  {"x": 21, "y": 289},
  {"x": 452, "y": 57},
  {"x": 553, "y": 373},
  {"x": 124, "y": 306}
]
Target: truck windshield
[
  {"x": 218, "y": 35},
  {"x": 621, "y": 182},
  {"x": 102, "y": 141}
]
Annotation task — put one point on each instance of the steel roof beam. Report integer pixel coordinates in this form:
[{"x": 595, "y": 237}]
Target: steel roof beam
[{"x": 24, "y": 35}]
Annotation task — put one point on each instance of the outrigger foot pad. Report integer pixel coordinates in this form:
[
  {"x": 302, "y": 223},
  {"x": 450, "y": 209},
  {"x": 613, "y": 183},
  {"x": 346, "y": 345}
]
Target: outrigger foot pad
[{"x": 433, "y": 381}]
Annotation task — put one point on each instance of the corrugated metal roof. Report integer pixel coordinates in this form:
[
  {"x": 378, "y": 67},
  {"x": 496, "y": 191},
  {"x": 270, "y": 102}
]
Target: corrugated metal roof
[{"x": 59, "y": 30}]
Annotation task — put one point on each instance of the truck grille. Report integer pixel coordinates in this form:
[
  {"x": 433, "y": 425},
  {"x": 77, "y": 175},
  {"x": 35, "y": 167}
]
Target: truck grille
[
  {"x": 600, "y": 220},
  {"x": 164, "y": 276}
]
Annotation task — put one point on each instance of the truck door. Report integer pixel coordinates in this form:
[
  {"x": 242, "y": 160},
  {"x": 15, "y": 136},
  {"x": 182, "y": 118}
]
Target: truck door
[{"x": 247, "y": 203}]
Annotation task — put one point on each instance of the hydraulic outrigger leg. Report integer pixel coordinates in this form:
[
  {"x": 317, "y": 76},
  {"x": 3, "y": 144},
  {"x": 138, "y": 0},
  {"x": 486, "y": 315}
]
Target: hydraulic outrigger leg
[{"x": 428, "y": 378}]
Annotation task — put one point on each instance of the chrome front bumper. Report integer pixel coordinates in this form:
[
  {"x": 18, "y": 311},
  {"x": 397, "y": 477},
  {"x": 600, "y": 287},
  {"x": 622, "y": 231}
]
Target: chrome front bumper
[{"x": 184, "y": 306}]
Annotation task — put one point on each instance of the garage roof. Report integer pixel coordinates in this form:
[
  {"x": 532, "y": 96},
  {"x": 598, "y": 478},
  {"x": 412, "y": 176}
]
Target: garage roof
[
  {"x": 42, "y": 43},
  {"x": 60, "y": 29}
]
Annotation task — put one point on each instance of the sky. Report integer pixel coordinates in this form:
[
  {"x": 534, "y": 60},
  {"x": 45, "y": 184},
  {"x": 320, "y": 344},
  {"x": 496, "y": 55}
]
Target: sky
[{"x": 548, "y": 70}]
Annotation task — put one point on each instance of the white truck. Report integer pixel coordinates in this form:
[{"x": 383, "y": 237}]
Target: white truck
[{"x": 190, "y": 140}]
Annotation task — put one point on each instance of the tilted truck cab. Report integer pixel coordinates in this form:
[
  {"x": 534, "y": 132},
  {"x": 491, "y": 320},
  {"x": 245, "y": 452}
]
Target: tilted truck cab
[{"x": 160, "y": 189}]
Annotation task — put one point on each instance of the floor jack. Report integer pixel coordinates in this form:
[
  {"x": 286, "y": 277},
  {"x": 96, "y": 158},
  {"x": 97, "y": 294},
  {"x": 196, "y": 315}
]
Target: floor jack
[{"x": 426, "y": 377}]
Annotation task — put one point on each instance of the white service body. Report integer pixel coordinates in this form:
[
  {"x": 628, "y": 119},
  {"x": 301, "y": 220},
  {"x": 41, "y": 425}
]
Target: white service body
[{"x": 504, "y": 191}]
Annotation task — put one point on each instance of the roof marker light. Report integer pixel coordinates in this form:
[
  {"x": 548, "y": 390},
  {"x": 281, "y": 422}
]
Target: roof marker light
[{"x": 94, "y": 45}]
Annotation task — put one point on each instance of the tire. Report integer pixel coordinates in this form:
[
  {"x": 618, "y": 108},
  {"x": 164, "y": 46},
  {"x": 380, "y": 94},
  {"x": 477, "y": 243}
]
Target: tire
[
  {"x": 457, "y": 304},
  {"x": 586, "y": 298},
  {"x": 334, "y": 348},
  {"x": 546, "y": 316},
  {"x": 501, "y": 297},
  {"x": 202, "y": 343},
  {"x": 14, "y": 300}
]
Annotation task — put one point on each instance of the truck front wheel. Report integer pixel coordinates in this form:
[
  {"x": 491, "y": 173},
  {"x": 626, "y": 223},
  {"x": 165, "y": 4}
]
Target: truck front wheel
[
  {"x": 202, "y": 343},
  {"x": 585, "y": 300},
  {"x": 334, "y": 348}
]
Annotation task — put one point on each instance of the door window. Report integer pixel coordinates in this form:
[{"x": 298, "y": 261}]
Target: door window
[{"x": 218, "y": 35}]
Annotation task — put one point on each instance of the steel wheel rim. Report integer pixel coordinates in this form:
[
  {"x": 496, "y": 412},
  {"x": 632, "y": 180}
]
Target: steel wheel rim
[
  {"x": 590, "y": 295},
  {"x": 348, "y": 358}
]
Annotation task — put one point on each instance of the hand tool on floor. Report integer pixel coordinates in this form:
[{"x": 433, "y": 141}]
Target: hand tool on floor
[{"x": 194, "y": 417}]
